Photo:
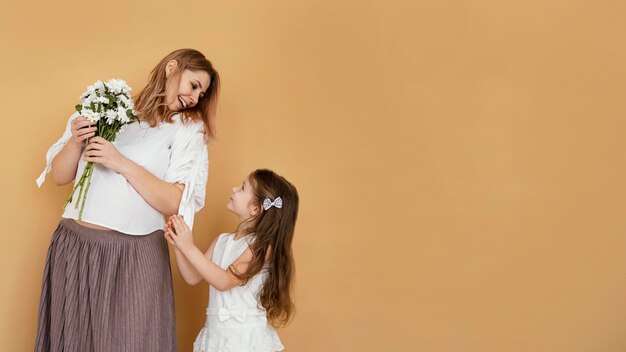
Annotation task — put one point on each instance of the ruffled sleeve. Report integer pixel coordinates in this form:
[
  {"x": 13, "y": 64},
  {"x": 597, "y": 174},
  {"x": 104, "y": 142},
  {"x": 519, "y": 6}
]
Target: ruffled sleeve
[
  {"x": 189, "y": 165},
  {"x": 56, "y": 148}
]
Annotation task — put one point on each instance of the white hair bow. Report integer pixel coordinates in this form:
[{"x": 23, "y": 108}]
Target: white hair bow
[{"x": 267, "y": 203}]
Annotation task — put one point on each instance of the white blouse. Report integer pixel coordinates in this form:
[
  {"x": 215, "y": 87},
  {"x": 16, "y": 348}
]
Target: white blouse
[{"x": 173, "y": 152}]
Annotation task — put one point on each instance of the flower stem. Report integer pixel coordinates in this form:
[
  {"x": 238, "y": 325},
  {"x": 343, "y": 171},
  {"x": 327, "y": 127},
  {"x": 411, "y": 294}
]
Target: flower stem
[
  {"x": 82, "y": 194},
  {"x": 82, "y": 207}
]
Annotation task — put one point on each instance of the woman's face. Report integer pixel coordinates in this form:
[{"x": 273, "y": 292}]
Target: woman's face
[{"x": 191, "y": 87}]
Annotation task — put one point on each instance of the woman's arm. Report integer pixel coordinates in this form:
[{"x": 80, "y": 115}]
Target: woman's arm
[
  {"x": 65, "y": 163},
  {"x": 162, "y": 196},
  {"x": 212, "y": 273}
]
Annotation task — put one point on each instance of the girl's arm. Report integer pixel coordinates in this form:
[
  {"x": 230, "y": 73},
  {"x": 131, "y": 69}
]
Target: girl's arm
[
  {"x": 65, "y": 163},
  {"x": 162, "y": 196},
  {"x": 185, "y": 269},
  {"x": 212, "y": 273}
]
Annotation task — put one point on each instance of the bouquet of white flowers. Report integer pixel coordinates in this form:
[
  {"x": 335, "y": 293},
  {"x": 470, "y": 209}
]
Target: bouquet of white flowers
[{"x": 110, "y": 106}]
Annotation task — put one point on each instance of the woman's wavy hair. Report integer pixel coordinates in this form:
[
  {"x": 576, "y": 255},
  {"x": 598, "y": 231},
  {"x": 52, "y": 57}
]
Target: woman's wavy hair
[
  {"x": 273, "y": 230},
  {"x": 151, "y": 103}
]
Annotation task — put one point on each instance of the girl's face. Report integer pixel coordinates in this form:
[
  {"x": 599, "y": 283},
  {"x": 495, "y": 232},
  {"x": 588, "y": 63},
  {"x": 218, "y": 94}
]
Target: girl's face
[
  {"x": 190, "y": 89},
  {"x": 240, "y": 201}
]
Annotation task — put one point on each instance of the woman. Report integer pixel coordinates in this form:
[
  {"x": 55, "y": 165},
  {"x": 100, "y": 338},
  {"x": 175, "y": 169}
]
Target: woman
[{"x": 107, "y": 282}]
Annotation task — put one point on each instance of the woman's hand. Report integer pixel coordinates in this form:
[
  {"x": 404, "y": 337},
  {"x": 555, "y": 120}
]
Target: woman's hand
[
  {"x": 179, "y": 234},
  {"x": 81, "y": 130},
  {"x": 103, "y": 152}
]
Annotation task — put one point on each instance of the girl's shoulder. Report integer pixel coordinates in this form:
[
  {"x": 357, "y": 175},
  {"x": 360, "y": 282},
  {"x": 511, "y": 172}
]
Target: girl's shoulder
[
  {"x": 224, "y": 234},
  {"x": 230, "y": 237},
  {"x": 226, "y": 243},
  {"x": 223, "y": 237}
]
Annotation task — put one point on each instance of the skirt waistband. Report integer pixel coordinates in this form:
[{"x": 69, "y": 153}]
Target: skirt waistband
[{"x": 84, "y": 231}]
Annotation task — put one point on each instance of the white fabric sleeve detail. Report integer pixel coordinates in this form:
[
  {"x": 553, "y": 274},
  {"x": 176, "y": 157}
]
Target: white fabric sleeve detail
[
  {"x": 56, "y": 148},
  {"x": 189, "y": 166}
]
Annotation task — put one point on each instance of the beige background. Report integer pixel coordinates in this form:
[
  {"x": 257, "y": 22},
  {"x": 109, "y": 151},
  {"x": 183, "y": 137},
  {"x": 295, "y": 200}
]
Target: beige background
[{"x": 461, "y": 164}]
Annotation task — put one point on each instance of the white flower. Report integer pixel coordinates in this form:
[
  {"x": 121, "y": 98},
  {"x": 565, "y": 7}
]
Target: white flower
[
  {"x": 102, "y": 100},
  {"x": 118, "y": 86},
  {"x": 121, "y": 115},
  {"x": 128, "y": 103},
  {"x": 88, "y": 100},
  {"x": 90, "y": 115},
  {"x": 91, "y": 89},
  {"x": 111, "y": 115},
  {"x": 97, "y": 88},
  {"x": 100, "y": 87}
]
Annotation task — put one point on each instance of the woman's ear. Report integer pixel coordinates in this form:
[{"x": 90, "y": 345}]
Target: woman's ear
[{"x": 170, "y": 67}]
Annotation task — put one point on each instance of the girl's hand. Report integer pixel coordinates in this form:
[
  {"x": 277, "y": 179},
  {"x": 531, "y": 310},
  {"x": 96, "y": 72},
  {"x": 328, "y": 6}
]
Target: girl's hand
[
  {"x": 81, "y": 130},
  {"x": 167, "y": 232},
  {"x": 103, "y": 152},
  {"x": 180, "y": 233}
]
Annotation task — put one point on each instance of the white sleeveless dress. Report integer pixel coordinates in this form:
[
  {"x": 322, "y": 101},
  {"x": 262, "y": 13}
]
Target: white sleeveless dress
[{"x": 235, "y": 322}]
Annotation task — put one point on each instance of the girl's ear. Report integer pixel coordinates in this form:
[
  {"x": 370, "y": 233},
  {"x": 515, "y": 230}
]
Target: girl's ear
[
  {"x": 170, "y": 67},
  {"x": 255, "y": 210}
]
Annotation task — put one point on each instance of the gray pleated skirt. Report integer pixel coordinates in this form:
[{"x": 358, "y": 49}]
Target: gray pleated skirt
[{"x": 104, "y": 290}]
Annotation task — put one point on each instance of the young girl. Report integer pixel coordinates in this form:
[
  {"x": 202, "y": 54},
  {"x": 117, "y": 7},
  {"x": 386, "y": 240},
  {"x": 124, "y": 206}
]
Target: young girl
[
  {"x": 250, "y": 271},
  {"x": 107, "y": 284}
]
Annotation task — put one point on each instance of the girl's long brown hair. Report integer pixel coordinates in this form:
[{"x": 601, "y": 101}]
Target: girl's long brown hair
[
  {"x": 273, "y": 231},
  {"x": 151, "y": 104}
]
